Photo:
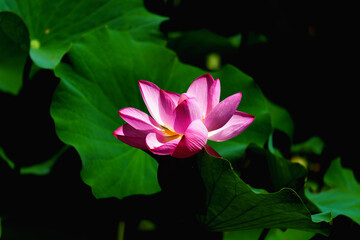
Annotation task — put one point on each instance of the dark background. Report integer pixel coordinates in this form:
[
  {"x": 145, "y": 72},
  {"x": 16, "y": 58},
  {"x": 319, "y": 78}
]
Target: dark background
[{"x": 305, "y": 66}]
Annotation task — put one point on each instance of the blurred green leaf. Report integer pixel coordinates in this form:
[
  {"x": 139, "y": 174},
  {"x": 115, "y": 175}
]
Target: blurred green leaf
[
  {"x": 232, "y": 205},
  {"x": 36, "y": 169},
  {"x": 44, "y": 167},
  {"x": 343, "y": 197},
  {"x": 281, "y": 119},
  {"x": 102, "y": 78},
  {"x": 313, "y": 145},
  {"x": 256, "y": 38},
  {"x": 3, "y": 156},
  {"x": 198, "y": 45},
  {"x": 54, "y": 25},
  {"x": 14, "y": 48},
  {"x": 322, "y": 217}
]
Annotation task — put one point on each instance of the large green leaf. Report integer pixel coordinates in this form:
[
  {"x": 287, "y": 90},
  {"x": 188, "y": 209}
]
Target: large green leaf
[
  {"x": 101, "y": 78},
  {"x": 14, "y": 48},
  {"x": 343, "y": 197},
  {"x": 232, "y": 205},
  {"x": 54, "y": 25}
]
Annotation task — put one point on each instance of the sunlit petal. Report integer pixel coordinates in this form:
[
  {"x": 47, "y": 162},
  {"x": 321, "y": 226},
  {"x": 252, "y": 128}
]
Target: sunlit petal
[
  {"x": 131, "y": 136},
  {"x": 213, "y": 96},
  {"x": 238, "y": 123},
  {"x": 185, "y": 113},
  {"x": 193, "y": 141},
  {"x": 161, "y": 144},
  {"x": 222, "y": 112},
  {"x": 151, "y": 96},
  {"x": 200, "y": 89},
  {"x": 166, "y": 108},
  {"x": 139, "y": 120},
  {"x": 173, "y": 96}
]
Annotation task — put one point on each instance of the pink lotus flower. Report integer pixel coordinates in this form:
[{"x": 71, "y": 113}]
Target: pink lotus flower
[{"x": 182, "y": 124}]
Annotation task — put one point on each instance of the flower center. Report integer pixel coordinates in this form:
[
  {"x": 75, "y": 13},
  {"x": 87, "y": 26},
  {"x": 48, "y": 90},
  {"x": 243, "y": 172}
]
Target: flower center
[{"x": 170, "y": 133}]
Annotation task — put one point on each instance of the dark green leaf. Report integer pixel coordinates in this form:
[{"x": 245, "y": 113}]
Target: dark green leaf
[
  {"x": 36, "y": 169},
  {"x": 276, "y": 172},
  {"x": 243, "y": 234},
  {"x": 221, "y": 201},
  {"x": 232, "y": 205},
  {"x": 289, "y": 234},
  {"x": 256, "y": 38},
  {"x": 44, "y": 167},
  {"x": 274, "y": 234},
  {"x": 14, "y": 48}
]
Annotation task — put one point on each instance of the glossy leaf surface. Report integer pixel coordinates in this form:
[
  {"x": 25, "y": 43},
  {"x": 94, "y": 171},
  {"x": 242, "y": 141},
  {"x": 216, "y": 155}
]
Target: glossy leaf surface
[{"x": 54, "y": 25}]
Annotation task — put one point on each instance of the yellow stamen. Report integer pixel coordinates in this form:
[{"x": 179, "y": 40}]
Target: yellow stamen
[
  {"x": 170, "y": 138},
  {"x": 170, "y": 134}
]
